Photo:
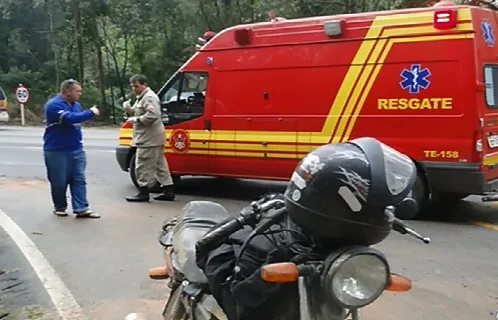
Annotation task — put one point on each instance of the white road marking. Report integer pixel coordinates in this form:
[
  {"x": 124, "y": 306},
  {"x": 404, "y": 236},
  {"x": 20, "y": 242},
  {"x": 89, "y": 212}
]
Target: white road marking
[
  {"x": 12, "y": 163},
  {"x": 41, "y": 150},
  {"x": 63, "y": 300}
]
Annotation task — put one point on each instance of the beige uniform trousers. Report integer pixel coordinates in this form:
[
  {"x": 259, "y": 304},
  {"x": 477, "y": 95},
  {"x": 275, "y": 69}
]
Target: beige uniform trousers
[{"x": 150, "y": 163}]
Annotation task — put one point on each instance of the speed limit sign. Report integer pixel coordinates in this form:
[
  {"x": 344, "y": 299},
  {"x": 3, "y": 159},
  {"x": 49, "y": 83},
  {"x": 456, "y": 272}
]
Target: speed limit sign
[{"x": 22, "y": 94}]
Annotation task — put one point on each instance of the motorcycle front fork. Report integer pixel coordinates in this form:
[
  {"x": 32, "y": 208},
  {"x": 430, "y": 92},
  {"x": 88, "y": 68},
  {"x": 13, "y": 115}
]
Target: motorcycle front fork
[
  {"x": 355, "y": 314},
  {"x": 304, "y": 311}
]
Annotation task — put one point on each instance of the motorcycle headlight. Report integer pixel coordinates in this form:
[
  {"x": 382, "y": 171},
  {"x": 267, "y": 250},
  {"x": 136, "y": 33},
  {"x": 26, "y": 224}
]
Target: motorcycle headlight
[{"x": 357, "y": 277}]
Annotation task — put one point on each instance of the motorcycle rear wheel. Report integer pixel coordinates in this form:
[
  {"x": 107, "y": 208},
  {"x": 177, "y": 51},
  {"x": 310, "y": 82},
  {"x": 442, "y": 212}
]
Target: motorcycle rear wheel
[{"x": 174, "y": 309}]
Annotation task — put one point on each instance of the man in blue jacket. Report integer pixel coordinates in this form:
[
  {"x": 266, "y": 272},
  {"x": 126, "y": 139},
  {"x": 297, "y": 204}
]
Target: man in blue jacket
[{"x": 65, "y": 158}]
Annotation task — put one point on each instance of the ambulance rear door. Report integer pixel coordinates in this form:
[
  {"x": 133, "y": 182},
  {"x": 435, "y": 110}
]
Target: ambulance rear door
[{"x": 487, "y": 98}]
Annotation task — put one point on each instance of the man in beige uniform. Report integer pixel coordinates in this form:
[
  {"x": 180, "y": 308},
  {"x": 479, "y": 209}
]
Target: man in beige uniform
[{"x": 148, "y": 138}]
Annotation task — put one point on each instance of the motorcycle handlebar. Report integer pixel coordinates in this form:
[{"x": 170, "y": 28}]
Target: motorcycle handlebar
[
  {"x": 216, "y": 237},
  {"x": 401, "y": 227}
]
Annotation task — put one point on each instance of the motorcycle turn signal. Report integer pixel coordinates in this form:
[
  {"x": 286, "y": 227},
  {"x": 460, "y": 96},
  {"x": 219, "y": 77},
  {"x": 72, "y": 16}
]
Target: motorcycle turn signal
[
  {"x": 398, "y": 283},
  {"x": 286, "y": 272},
  {"x": 158, "y": 273},
  {"x": 280, "y": 272}
]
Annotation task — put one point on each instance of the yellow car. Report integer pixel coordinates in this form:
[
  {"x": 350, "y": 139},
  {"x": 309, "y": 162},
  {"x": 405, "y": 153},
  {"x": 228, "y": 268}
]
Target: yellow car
[{"x": 4, "y": 113}]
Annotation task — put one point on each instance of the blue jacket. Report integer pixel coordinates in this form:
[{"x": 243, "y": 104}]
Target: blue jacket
[{"x": 63, "y": 121}]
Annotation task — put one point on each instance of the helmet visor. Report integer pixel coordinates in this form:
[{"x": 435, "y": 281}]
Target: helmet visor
[{"x": 399, "y": 170}]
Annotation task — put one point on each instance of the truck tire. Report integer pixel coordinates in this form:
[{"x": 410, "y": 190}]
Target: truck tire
[
  {"x": 157, "y": 187},
  {"x": 421, "y": 195}
]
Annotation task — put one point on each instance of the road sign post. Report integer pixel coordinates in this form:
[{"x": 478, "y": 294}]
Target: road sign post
[{"x": 22, "y": 97}]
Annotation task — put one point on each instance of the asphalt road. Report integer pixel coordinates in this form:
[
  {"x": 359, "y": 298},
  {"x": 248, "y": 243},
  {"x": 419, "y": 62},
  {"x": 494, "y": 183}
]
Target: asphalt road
[{"x": 103, "y": 263}]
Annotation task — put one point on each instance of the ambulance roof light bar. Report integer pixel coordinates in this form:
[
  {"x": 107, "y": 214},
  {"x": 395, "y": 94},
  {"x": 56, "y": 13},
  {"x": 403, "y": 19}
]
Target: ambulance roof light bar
[{"x": 445, "y": 18}]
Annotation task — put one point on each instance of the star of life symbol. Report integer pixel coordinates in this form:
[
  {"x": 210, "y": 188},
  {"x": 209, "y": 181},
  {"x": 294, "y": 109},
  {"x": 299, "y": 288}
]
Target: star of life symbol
[
  {"x": 415, "y": 78},
  {"x": 487, "y": 33}
]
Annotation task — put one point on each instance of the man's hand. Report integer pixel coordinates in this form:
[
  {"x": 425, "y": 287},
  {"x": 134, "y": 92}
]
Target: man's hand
[
  {"x": 132, "y": 119},
  {"x": 95, "y": 110},
  {"x": 127, "y": 107},
  {"x": 127, "y": 104}
]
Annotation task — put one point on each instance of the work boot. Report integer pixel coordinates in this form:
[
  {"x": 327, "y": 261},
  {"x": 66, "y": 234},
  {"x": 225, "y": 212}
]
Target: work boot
[
  {"x": 167, "y": 195},
  {"x": 141, "y": 196}
]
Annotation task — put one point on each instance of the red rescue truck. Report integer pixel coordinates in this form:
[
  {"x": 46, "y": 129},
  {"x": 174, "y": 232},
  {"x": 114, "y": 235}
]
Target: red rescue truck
[
  {"x": 256, "y": 98},
  {"x": 4, "y": 111}
]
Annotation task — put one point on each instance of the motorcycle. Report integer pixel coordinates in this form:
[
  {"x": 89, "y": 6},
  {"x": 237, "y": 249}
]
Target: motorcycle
[{"x": 334, "y": 287}]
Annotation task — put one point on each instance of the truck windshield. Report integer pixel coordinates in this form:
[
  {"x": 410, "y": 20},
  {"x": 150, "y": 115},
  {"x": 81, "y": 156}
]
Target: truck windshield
[
  {"x": 491, "y": 83},
  {"x": 2, "y": 94}
]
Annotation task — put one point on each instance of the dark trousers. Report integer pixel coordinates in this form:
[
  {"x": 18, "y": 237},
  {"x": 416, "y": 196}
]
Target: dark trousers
[{"x": 67, "y": 168}]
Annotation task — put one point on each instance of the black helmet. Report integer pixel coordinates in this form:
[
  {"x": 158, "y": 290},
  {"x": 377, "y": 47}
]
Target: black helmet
[{"x": 339, "y": 192}]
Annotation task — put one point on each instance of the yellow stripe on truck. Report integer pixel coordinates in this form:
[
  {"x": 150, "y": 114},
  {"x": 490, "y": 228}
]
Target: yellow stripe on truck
[
  {"x": 378, "y": 53},
  {"x": 340, "y": 121},
  {"x": 490, "y": 159},
  {"x": 378, "y": 67}
]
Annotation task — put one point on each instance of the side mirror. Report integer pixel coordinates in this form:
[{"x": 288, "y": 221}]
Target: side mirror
[{"x": 407, "y": 209}]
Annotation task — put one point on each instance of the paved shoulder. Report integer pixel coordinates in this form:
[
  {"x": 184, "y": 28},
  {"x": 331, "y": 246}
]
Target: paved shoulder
[{"x": 22, "y": 295}]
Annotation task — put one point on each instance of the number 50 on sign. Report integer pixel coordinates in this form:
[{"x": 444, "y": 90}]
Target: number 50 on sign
[{"x": 22, "y": 94}]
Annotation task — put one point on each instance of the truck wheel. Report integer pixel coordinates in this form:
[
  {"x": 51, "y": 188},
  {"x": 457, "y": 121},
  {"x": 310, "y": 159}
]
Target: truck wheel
[
  {"x": 421, "y": 195},
  {"x": 132, "y": 171},
  {"x": 154, "y": 189}
]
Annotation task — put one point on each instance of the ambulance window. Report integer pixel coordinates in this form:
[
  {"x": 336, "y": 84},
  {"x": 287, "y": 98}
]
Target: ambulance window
[
  {"x": 183, "y": 100},
  {"x": 491, "y": 83}
]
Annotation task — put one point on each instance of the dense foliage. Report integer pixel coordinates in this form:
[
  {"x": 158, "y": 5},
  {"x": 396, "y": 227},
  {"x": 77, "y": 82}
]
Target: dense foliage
[{"x": 102, "y": 42}]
